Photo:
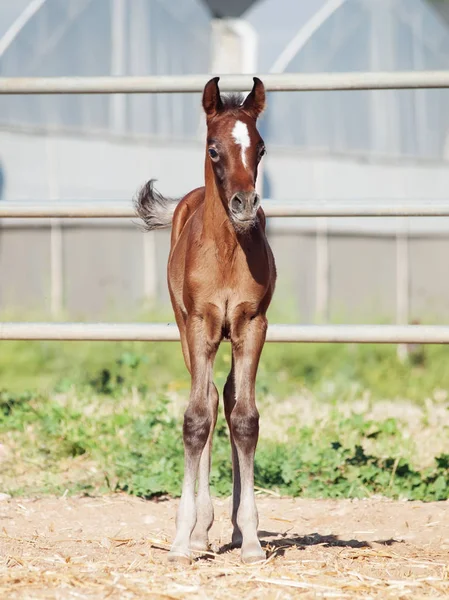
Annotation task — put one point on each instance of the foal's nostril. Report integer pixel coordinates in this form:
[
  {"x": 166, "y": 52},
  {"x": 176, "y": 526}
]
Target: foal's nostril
[
  {"x": 255, "y": 200},
  {"x": 237, "y": 204}
]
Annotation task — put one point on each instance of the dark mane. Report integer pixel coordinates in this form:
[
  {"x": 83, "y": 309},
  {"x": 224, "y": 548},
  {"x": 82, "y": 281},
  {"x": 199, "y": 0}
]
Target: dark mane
[{"x": 232, "y": 102}]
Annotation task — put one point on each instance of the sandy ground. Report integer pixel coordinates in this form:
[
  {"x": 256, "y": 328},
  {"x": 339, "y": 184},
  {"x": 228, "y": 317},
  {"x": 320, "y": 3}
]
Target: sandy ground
[{"x": 116, "y": 547}]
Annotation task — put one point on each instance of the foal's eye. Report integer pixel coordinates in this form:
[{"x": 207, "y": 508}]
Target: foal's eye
[
  {"x": 262, "y": 151},
  {"x": 213, "y": 154}
]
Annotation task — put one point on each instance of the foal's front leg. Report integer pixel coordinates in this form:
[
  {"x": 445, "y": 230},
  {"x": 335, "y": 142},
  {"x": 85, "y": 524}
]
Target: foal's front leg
[
  {"x": 247, "y": 341},
  {"x": 204, "y": 508},
  {"x": 198, "y": 425}
]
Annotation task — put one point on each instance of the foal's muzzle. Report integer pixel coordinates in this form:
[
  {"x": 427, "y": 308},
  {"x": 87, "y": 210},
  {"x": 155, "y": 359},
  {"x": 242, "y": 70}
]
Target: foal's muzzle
[{"x": 243, "y": 207}]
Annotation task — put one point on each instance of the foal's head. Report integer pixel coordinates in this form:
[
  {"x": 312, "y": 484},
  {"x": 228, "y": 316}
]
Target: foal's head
[{"x": 234, "y": 149}]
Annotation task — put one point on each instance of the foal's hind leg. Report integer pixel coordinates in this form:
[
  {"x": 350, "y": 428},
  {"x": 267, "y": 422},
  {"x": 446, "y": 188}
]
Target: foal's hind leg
[
  {"x": 204, "y": 508},
  {"x": 229, "y": 403},
  {"x": 248, "y": 337}
]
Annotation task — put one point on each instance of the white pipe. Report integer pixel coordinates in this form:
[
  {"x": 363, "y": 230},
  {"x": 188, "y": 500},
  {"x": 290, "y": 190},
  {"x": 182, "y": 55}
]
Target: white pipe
[
  {"x": 162, "y": 332},
  {"x": 56, "y": 236},
  {"x": 402, "y": 282},
  {"x": 249, "y": 40},
  {"x": 304, "y": 35},
  {"x": 282, "y": 82},
  {"x": 322, "y": 271},
  {"x": 304, "y": 208},
  {"x": 16, "y": 27},
  {"x": 118, "y": 102},
  {"x": 149, "y": 266}
]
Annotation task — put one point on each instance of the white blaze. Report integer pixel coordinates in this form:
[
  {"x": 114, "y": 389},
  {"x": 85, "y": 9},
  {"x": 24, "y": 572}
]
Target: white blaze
[{"x": 241, "y": 136}]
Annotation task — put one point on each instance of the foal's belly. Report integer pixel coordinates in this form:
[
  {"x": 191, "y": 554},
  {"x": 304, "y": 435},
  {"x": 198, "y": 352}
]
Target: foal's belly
[{"x": 224, "y": 311}]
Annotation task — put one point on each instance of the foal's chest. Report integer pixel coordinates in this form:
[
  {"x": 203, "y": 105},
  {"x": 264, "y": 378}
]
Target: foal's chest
[{"x": 230, "y": 275}]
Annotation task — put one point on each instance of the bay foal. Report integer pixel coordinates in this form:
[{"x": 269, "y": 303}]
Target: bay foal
[{"x": 221, "y": 277}]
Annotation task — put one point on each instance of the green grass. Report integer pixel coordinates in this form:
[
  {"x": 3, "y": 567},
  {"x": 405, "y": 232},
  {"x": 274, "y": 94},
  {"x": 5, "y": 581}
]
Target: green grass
[
  {"x": 336, "y": 420},
  {"x": 331, "y": 372},
  {"x": 132, "y": 442}
]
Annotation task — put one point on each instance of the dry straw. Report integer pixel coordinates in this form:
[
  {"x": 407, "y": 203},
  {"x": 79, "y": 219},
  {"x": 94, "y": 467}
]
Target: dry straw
[
  {"x": 30, "y": 574},
  {"x": 57, "y": 565}
]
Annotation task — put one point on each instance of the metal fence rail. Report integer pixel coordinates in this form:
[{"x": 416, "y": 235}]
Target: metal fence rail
[
  {"x": 168, "y": 332},
  {"x": 401, "y": 334},
  {"x": 309, "y": 208},
  {"x": 282, "y": 82}
]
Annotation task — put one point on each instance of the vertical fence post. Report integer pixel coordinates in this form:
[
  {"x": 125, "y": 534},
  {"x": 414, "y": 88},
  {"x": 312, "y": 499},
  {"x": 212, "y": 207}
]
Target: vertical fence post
[
  {"x": 56, "y": 240},
  {"x": 402, "y": 282},
  {"x": 56, "y": 250},
  {"x": 322, "y": 270},
  {"x": 149, "y": 266},
  {"x": 117, "y": 102}
]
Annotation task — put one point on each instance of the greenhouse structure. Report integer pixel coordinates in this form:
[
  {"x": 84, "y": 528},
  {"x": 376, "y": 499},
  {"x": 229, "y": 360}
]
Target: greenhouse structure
[{"x": 386, "y": 145}]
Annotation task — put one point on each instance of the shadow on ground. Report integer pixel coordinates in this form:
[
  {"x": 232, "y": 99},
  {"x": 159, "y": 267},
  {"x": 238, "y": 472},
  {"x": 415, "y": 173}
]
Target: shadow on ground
[{"x": 281, "y": 542}]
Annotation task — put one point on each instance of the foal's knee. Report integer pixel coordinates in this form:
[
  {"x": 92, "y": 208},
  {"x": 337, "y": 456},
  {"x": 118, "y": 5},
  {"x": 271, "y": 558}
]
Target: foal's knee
[
  {"x": 245, "y": 427},
  {"x": 196, "y": 429}
]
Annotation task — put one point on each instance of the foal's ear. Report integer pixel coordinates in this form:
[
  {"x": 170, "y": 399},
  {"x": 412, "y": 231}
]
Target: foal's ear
[
  {"x": 212, "y": 103},
  {"x": 255, "y": 101}
]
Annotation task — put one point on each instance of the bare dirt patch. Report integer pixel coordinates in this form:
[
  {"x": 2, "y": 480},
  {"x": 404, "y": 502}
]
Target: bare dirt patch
[{"x": 116, "y": 547}]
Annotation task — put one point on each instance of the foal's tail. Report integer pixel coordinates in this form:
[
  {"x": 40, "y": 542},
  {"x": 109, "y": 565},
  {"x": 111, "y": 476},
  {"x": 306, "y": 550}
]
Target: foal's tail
[{"x": 155, "y": 211}]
